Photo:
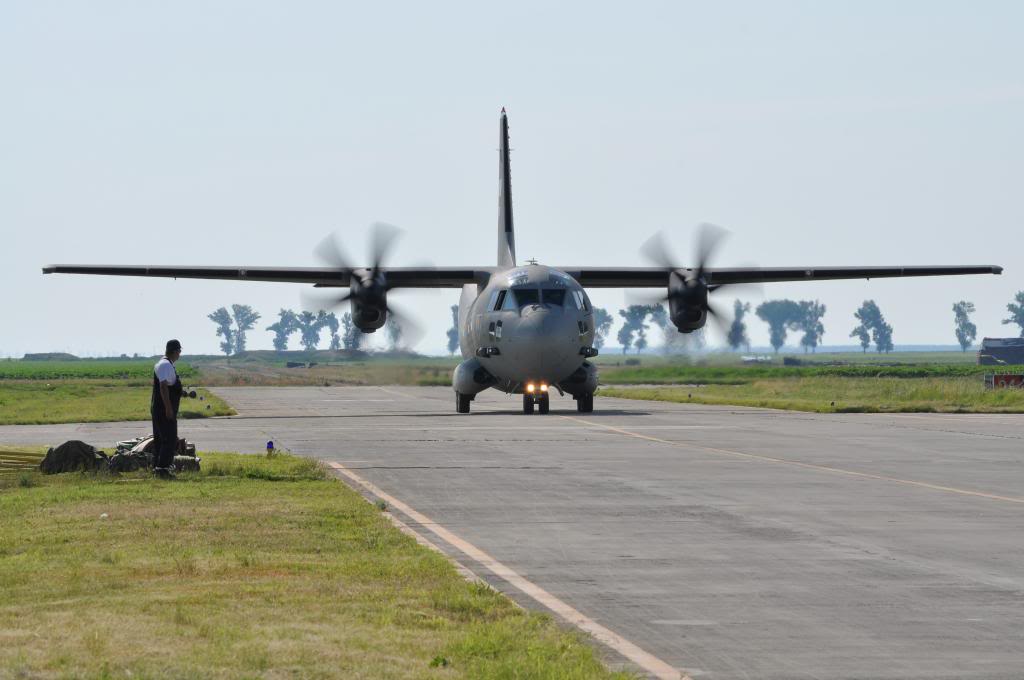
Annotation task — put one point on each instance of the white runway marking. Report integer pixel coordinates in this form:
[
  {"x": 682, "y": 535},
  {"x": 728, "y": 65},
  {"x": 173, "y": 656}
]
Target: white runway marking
[{"x": 645, "y": 660}]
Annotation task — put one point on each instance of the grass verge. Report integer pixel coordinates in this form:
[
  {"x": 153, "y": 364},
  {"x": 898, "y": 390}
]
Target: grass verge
[
  {"x": 263, "y": 371},
  {"x": 255, "y": 567},
  {"x": 32, "y": 402},
  {"x": 832, "y": 394}
]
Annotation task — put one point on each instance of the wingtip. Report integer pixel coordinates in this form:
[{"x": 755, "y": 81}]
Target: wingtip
[
  {"x": 996, "y": 269},
  {"x": 49, "y": 269}
]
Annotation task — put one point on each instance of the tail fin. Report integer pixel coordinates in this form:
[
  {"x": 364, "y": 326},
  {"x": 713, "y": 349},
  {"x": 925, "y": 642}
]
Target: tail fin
[{"x": 506, "y": 232}]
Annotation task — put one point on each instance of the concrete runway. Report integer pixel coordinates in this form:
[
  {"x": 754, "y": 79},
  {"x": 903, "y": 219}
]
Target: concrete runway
[{"x": 727, "y": 542}]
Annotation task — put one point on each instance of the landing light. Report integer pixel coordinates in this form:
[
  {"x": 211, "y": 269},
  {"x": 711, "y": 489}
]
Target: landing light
[
  {"x": 530, "y": 387},
  {"x": 543, "y": 388}
]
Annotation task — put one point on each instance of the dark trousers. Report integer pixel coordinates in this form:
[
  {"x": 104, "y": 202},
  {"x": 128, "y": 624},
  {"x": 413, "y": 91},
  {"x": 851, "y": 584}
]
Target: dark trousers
[{"x": 165, "y": 440}]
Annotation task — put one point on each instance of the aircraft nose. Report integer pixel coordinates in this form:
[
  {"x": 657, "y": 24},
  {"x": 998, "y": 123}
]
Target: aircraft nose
[{"x": 547, "y": 345}]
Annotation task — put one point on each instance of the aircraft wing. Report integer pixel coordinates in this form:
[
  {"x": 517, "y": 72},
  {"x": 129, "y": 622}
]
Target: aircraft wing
[
  {"x": 657, "y": 277},
  {"x": 456, "y": 277},
  {"x": 397, "y": 277}
]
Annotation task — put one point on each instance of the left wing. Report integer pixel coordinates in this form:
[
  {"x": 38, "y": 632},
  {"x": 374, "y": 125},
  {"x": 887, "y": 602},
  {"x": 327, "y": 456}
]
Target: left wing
[
  {"x": 397, "y": 277},
  {"x": 657, "y": 277}
]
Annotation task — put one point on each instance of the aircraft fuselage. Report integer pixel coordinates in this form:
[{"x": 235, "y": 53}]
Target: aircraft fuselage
[{"x": 529, "y": 325}]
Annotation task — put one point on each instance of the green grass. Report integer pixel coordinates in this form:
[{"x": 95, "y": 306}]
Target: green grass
[
  {"x": 832, "y": 393},
  {"x": 723, "y": 358},
  {"x": 681, "y": 372},
  {"x": 265, "y": 369},
  {"x": 255, "y": 567},
  {"x": 112, "y": 369},
  {"x": 77, "y": 401}
]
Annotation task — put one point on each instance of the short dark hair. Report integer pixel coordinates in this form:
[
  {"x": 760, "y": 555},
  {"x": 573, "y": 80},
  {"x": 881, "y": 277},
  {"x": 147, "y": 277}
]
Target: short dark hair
[{"x": 172, "y": 346}]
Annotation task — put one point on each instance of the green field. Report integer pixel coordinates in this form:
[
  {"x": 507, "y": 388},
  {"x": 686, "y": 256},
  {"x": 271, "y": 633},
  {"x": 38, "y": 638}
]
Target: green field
[
  {"x": 256, "y": 567},
  {"x": 835, "y": 394},
  {"x": 30, "y": 402},
  {"x": 270, "y": 369},
  {"x": 111, "y": 369},
  {"x": 903, "y": 381},
  {"x": 90, "y": 390},
  {"x": 677, "y": 373},
  {"x": 854, "y": 382},
  {"x": 814, "y": 358}
]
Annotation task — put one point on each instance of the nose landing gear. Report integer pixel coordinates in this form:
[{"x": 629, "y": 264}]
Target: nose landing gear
[{"x": 541, "y": 401}]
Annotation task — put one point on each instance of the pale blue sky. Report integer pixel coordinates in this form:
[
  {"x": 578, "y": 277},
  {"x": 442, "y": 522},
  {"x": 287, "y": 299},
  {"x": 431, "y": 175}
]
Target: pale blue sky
[{"x": 819, "y": 133}]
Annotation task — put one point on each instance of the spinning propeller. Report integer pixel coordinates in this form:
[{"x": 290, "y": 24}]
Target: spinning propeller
[
  {"x": 368, "y": 288},
  {"x": 688, "y": 289}
]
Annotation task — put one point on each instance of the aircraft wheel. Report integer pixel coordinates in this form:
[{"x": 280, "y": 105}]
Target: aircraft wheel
[
  {"x": 527, "y": 404},
  {"x": 585, "y": 403},
  {"x": 461, "y": 403},
  {"x": 543, "y": 405}
]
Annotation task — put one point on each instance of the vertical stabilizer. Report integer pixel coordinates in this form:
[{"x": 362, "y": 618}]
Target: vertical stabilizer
[{"x": 506, "y": 233}]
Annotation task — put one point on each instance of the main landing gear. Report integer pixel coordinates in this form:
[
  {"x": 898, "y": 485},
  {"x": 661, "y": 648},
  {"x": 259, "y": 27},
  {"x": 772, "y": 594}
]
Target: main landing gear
[
  {"x": 541, "y": 401},
  {"x": 462, "y": 402},
  {"x": 585, "y": 403}
]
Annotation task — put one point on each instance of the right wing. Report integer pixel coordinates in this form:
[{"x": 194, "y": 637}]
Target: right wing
[
  {"x": 397, "y": 277},
  {"x": 657, "y": 277}
]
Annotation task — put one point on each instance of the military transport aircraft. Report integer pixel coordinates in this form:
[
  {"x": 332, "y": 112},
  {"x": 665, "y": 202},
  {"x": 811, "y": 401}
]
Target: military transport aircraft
[{"x": 523, "y": 329}]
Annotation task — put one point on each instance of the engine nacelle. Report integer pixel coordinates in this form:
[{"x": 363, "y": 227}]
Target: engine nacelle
[
  {"x": 687, "y": 303},
  {"x": 369, "y": 300}
]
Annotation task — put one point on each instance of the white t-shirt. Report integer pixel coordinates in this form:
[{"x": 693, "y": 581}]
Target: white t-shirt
[{"x": 165, "y": 372}]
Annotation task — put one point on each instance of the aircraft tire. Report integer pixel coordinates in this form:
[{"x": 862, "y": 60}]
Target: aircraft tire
[
  {"x": 461, "y": 403},
  {"x": 585, "y": 403},
  {"x": 527, "y": 405},
  {"x": 543, "y": 405}
]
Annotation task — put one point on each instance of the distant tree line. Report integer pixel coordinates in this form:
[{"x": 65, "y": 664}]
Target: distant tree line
[
  {"x": 310, "y": 326},
  {"x": 782, "y": 316},
  {"x": 232, "y": 326}
]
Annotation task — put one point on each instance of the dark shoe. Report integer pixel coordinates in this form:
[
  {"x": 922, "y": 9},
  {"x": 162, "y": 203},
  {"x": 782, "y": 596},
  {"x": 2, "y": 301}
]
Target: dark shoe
[{"x": 163, "y": 473}]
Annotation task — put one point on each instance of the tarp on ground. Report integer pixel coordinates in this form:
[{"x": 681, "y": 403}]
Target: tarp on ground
[{"x": 72, "y": 456}]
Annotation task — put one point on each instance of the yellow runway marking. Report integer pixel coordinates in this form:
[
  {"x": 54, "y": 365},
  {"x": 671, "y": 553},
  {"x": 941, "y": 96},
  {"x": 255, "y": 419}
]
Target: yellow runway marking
[
  {"x": 645, "y": 660},
  {"x": 797, "y": 463}
]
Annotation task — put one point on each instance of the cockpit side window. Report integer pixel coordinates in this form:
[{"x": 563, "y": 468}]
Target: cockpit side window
[
  {"x": 508, "y": 302},
  {"x": 498, "y": 300},
  {"x": 527, "y": 296},
  {"x": 581, "y": 300},
  {"x": 553, "y": 296}
]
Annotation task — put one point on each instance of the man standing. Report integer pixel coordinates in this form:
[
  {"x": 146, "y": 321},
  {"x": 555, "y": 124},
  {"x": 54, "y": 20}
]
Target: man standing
[{"x": 164, "y": 409}]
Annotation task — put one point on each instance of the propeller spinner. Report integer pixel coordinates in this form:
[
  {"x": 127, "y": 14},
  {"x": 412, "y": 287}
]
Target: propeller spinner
[
  {"x": 368, "y": 286},
  {"x": 688, "y": 288}
]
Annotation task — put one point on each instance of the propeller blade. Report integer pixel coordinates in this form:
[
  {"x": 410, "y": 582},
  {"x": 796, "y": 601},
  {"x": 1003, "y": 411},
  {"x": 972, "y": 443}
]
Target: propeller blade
[
  {"x": 658, "y": 252},
  {"x": 708, "y": 238},
  {"x": 330, "y": 252},
  {"x": 719, "y": 318},
  {"x": 634, "y": 298},
  {"x": 315, "y": 302},
  {"x": 382, "y": 240},
  {"x": 412, "y": 330}
]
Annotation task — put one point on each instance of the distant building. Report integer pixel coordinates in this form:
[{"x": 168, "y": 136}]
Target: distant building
[{"x": 1000, "y": 351}]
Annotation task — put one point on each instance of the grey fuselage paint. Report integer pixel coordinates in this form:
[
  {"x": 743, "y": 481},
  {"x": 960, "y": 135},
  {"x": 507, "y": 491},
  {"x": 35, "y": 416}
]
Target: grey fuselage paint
[{"x": 531, "y": 323}]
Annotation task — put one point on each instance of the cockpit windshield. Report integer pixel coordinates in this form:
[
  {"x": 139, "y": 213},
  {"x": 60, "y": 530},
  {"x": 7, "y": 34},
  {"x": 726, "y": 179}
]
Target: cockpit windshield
[
  {"x": 553, "y": 296},
  {"x": 527, "y": 296}
]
